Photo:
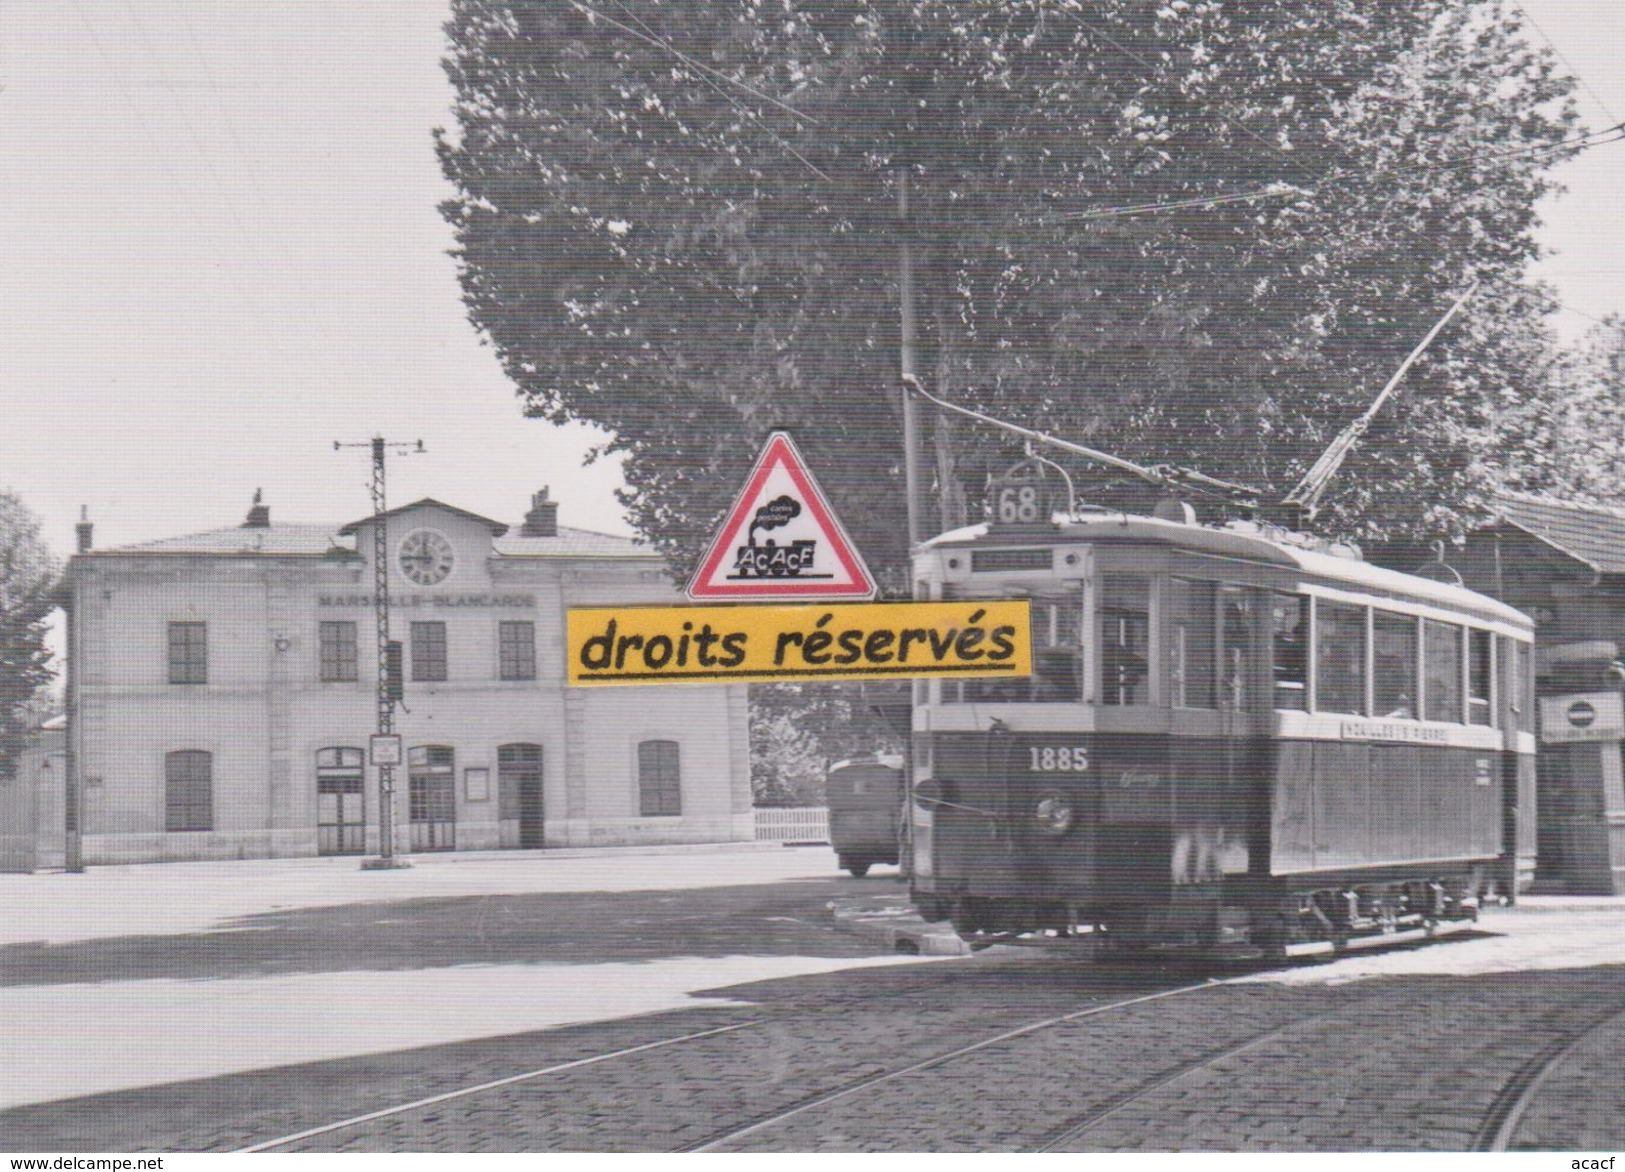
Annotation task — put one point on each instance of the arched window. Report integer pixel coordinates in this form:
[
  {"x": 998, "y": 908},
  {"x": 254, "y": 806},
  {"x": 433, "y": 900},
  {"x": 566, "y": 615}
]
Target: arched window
[
  {"x": 189, "y": 790},
  {"x": 660, "y": 779},
  {"x": 519, "y": 790},
  {"x": 432, "y": 797},
  {"x": 341, "y": 819}
]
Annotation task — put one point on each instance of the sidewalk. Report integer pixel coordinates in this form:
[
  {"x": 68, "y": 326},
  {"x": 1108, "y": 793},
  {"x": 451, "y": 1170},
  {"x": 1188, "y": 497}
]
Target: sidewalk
[
  {"x": 157, "y": 898},
  {"x": 296, "y": 960}
]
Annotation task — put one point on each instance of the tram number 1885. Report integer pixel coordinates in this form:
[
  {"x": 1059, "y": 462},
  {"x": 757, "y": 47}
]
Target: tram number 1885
[{"x": 1059, "y": 758}]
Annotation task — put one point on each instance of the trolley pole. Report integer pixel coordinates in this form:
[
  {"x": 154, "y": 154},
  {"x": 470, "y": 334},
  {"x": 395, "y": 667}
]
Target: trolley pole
[{"x": 386, "y": 691}]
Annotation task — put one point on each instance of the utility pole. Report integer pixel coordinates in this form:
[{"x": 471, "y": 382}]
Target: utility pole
[
  {"x": 385, "y": 746},
  {"x": 906, "y": 374}
]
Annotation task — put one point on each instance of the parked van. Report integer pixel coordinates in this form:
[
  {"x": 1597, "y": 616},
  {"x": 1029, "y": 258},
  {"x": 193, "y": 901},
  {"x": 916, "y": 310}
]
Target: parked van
[{"x": 865, "y": 799}]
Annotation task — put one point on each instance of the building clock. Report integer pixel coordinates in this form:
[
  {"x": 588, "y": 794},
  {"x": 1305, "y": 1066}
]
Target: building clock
[{"x": 425, "y": 557}]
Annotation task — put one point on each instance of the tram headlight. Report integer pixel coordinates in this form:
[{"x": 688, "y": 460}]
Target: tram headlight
[{"x": 1054, "y": 814}]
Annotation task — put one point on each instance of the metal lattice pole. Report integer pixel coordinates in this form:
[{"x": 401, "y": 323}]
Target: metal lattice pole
[{"x": 380, "y": 609}]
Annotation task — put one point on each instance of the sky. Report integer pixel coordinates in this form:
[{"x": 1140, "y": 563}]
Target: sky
[{"x": 220, "y": 253}]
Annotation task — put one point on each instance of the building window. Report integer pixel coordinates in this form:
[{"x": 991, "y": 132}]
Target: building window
[
  {"x": 341, "y": 818},
  {"x": 337, "y": 642},
  {"x": 428, "y": 652},
  {"x": 519, "y": 786},
  {"x": 188, "y": 653},
  {"x": 432, "y": 794},
  {"x": 516, "y": 651},
  {"x": 660, "y": 783},
  {"x": 189, "y": 790}
]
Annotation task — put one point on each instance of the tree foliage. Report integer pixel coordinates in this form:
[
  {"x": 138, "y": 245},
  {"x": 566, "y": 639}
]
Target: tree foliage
[
  {"x": 797, "y": 731},
  {"x": 28, "y": 578},
  {"x": 1192, "y": 231},
  {"x": 1568, "y": 438}
]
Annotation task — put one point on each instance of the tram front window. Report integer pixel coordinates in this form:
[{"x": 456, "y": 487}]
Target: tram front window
[
  {"x": 1125, "y": 631},
  {"x": 1057, "y": 660},
  {"x": 1289, "y": 643},
  {"x": 1235, "y": 647}
]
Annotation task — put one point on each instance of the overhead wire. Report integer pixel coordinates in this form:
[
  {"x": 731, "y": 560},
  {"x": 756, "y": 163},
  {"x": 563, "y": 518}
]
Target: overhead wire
[{"x": 732, "y": 101}]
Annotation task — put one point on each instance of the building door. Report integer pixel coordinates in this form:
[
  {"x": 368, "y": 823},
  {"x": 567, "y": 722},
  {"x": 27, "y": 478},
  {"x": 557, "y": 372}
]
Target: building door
[
  {"x": 519, "y": 781},
  {"x": 432, "y": 797},
  {"x": 341, "y": 812}
]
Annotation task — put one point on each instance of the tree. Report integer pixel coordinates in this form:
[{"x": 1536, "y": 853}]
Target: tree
[
  {"x": 1188, "y": 231},
  {"x": 797, "y": 731},
  {"x": 28, "y": 579},
  {"x": 1568, "y": 438}
]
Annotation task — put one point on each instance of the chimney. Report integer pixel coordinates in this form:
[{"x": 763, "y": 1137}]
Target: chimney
[
  {"x": 82, "y": 530},
  {"x": 543, "y": 518},
  {"x": 259, "y": 515}
]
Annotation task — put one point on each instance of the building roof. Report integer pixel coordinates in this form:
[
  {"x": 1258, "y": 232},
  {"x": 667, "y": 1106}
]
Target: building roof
[
  {"x": 278, "y": 540},
  {"x": 497, "y": 528},
  {"x": 270, "y": 540},
  {"x": 1591, "y": 534}
]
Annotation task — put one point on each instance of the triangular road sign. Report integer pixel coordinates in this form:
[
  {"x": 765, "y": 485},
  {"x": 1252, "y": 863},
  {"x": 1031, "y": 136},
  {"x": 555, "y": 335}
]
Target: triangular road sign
[{"x": 781, "y": 539}]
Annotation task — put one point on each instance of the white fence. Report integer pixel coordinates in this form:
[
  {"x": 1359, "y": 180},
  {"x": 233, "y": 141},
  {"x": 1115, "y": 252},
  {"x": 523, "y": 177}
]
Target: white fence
[{"x": 792, "y": 824}]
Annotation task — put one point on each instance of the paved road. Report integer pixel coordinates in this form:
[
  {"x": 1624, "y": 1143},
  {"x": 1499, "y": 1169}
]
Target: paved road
[{"x": 1412, "y": 1050}]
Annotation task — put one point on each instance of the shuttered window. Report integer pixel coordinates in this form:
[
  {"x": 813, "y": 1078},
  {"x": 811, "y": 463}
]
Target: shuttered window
[
  {"x": 188, "y": 653},
  {"x": 660, "y": 783},
  {"x": 189, "y": 790}
]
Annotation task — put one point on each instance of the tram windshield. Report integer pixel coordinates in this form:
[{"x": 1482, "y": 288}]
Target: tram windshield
[{"x": 1057, "y": 678}]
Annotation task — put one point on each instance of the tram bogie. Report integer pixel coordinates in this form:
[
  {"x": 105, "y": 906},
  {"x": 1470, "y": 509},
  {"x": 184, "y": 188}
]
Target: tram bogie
[{"x": 1230, "y": 739}]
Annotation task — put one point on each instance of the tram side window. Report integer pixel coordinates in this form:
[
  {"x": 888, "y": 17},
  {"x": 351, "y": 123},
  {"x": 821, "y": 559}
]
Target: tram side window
[
  {"x": 1125, "y": 628},
  {"x": 1191, "y": 653},
  {"x": 1393, "y": 665},
  {"x": 1479, "y": 674},
  {"x": 1235, "y": 646},
  {"x": 1289, "y": 644},
  {"x": 1441, "y": 670},
  {"x": 1519, "y": 682},
  {"x": 1340, "y": 658}
]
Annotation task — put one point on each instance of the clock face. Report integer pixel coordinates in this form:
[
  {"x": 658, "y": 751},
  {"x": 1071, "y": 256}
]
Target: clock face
[{"x": 425, "y": 557}]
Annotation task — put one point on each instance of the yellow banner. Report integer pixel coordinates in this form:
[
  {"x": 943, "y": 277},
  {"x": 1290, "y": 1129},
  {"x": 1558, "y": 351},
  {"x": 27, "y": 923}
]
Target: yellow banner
[{"x": 739, "y": 644}]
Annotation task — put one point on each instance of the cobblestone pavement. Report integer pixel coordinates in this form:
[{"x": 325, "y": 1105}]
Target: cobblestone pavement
[{"x": 1423, "y": 1050}]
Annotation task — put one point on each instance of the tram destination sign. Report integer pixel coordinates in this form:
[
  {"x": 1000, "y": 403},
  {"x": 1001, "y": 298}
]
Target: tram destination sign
[{"x": 764, "y": 643}]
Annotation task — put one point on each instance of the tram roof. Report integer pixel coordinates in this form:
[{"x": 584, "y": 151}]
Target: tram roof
[{"x": 1244, "y": 542}]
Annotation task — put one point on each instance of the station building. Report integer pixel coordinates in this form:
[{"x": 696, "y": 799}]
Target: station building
[{"x": 221, "y": 691}]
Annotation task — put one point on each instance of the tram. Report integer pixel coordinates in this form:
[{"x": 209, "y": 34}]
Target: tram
[{"x": 1233, "y": 736}]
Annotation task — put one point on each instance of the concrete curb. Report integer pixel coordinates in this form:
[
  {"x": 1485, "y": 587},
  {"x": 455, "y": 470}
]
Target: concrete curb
[{"x": 890, "y": 921}]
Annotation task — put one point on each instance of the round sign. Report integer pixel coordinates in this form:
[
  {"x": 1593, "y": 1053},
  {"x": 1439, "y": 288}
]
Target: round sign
[{"x": 1581, "y": 714}]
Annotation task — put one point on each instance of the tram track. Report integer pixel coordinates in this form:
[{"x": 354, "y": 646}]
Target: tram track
[
  {"x": 786, "y": 1090},
  {"x": 911, "y": 990},
  {"x": 1505, "y": 1118},
  {"x": 487, "y": 1087},
  {"x": 717, "y": 1141}
]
